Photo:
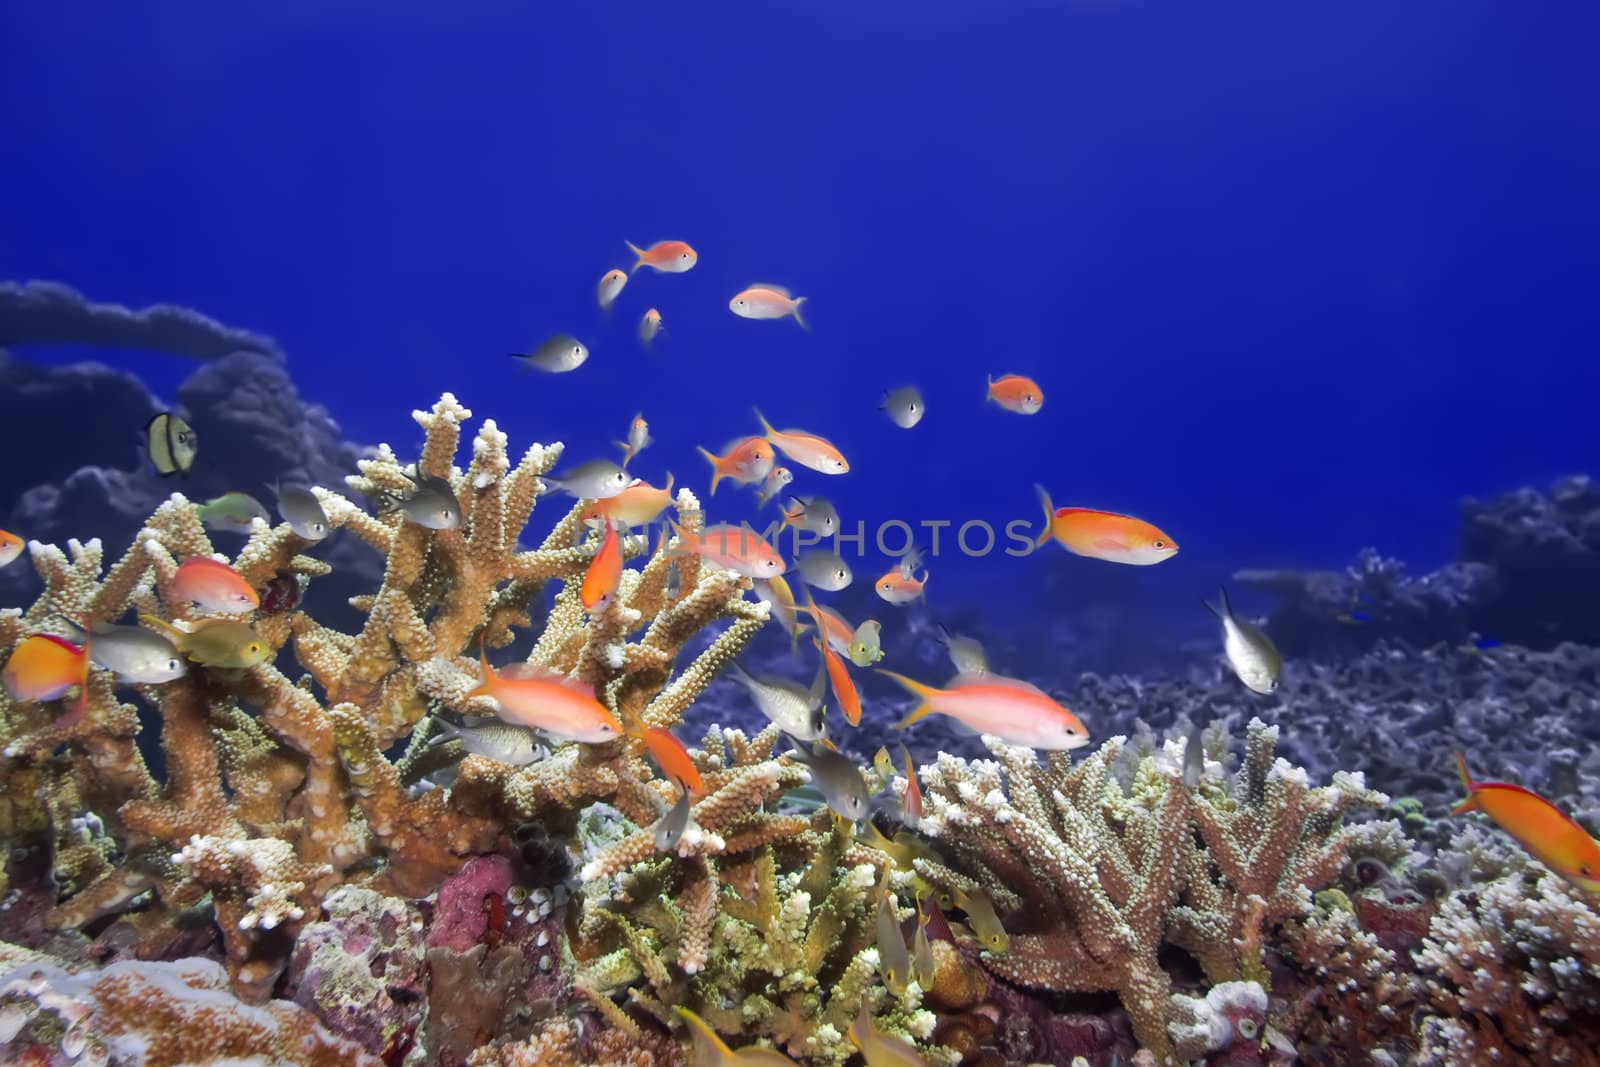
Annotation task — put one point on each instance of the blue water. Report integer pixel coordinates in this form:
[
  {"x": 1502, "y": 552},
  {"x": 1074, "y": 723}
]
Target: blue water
[{"x": 1294, "y": 277}]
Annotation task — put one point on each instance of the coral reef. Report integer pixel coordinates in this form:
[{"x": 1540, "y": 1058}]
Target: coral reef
[{"x": 279, "y": 861}]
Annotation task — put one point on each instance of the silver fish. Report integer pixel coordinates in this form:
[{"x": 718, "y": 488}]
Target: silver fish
[
  {"x": 598, "y": 479},
  {"x": 638, "y": 440},
  {"x": 838, "y": 779},
  {"x": 432, "y": 504},
  {"x": 817, "y": 515},
  {"x": 558, "y": 355},
  {"x": 904, "y": 406},
  {"x": 798, "y": 712},
  {"x": 670, "y": 827},
  {"x": 674, "y": 581},
  {"x": 1251, "y": 653},
  {"x": 1194, "y": 758},
  {"x": 136, "y": 655},
  {"x": 231, "y": 513},
  {"x": 303, "y": 512},
  {"x": 825, "y": 571},
  {"x": 966, "y": 653},
  {"x": 499, "y": 741},
  {"x": 894, "y": 961}
]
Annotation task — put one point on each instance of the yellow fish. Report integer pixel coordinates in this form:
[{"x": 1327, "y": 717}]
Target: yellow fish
[
  {"x": 214, "y": 642},
  {"x": 711, "y": 1051}
]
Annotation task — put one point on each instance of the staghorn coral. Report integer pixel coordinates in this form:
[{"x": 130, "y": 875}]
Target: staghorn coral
[
  {"x": 761, "y": 922},
  {"x": 1105, "y": 874},
  {"x": 276, "y": 789}
]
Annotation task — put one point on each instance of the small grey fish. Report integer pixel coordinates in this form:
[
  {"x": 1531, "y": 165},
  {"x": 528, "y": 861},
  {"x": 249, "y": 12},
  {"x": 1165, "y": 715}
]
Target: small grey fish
[
  {"x": 670, "y": 827},
  {"x": 837, "y": 778},
  {"x": 500, "y": 741},
  {"x": 825, "y": 571},
  {"x": 638, "y": 440},
  {"x": 674, "y": 580},
  {"x": 797, "y": 711},
  {"x": 966, "y": 653},
  {"x": 432, "y": 504},
  {"x": 1251, "y": 653},
  {"x": 894, "y": 960},
  {"x": 136, "y": 655},
  {"x": 904, "y": 406},
  {"x": 598, "y": 479},
  {"x": 303, "y": 512},
  {"x": 1194, "y": 758},
  {"x": 813, "y": 514},
  {"x": 558, "y": 355},
  {"x": 171, "y": 444}
]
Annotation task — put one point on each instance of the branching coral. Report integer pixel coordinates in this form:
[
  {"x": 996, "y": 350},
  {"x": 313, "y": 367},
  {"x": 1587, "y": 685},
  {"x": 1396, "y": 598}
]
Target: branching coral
[
  {"x": 1106, "y": 874},
  {"x": 277, "y": 789}
]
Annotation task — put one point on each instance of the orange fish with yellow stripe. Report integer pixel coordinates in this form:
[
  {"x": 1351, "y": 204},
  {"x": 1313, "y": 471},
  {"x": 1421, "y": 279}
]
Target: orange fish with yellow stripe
[{"x": 1547, "y": 832}]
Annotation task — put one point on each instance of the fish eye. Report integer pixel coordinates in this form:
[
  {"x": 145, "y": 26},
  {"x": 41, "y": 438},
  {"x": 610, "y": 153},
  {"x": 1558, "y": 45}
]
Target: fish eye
[
  {"x": 1160, "y": 543},
  {"x": 254, "y": 647},
  {"x": 173, "y": 664},
  {"x": 1247, "y": 1027}
]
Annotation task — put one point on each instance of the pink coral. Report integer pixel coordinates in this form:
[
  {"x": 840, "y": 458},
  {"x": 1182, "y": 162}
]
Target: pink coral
[{"x": 462, "y": 918}]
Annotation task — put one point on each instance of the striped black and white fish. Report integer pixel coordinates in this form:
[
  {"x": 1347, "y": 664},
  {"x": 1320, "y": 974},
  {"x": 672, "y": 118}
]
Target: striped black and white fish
[{"x": 171, "y": 444}]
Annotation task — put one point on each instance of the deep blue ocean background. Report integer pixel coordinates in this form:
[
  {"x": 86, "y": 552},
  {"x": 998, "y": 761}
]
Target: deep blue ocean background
[{"x": 1295, "y": 278}]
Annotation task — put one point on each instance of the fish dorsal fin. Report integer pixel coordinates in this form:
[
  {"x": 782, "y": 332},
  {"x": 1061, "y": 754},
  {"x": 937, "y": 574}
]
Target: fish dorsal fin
[{"x": 781, "y": 290}]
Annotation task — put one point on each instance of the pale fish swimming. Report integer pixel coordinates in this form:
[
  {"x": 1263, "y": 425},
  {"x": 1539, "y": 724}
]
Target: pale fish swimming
[
  {"x": 558, "y": 355},
  {"x": 837, "y": 778},
  {"x": 598, "y": 479},
  {"x": 824, "y": 570},
  {"x": 671, "y": 826},
  {"x": 1250, "y": 652},
  {"x": 866, "y": 645},
  {"x": 303, "y": 512},
  {"x": 797, "y": 711},
  {"x": 966, "y": 654},
  {"x": 231, "y": 513},
  {"x": 904, "y": 406},
  {"x": 502, "y": 742}
]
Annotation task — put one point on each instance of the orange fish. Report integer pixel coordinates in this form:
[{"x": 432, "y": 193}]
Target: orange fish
[
  {"x": 605, "y": 571},
  {"x": 1548, "y": 833},
  {"x": 546, "y": 700},
  {"x": 738, "y": 548},
  {"x": 767, "y": 302},
  {"x": 899, "y": 587},
  {"x": 806, "y": 449},
  {"x": 45, "y": 666},
  {"x": 637, "y": 505},
  {"x": 840, "y": 633},
  {"x": 673, "y": 758},
  {"x": 665, "y": 257},
  {"x": 10, "y": 547},
  {"x": 844, "y": 687},
  {"x": 747, "y": 462},
  {"x": 214, "y": 586},
  {"x": 913, "y": 799},
  {"x": 1104, "y": 535},
  {"x": 1011, "y": 709},
  {"x": 1016, "y": 393},
  {"x": 610, "y": 288},
  {"x": 649, "y": 326}
]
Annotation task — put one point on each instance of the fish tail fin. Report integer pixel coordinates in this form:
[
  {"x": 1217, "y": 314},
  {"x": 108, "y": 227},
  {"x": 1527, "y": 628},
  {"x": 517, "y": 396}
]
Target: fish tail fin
[
  {"x": 162, "y": 627},
  {"x": 716, "y": 467},
  {"x": 794, "y": 310},
  {"x": 1472, "y": 803},
  {"x": 924, "y": 692},
  {"x": 766, "y": 427},
  {"x": 638, "y": 254},
  {"x": 988, "y": 388},
  {"x": 668, "y": 487},
  {"x": 683, "y": 537},
  {"x": 482, "y": 688},
  {"x": 713, "y": 1051},
  {"x": 1227, "y": 608},
  {"x": 1049, "y": 516},
  {"x": 1220, "y": 612}
]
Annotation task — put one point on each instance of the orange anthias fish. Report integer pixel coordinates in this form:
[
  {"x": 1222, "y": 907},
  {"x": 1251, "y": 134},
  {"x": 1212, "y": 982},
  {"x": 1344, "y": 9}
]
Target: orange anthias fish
[
  {"x": 548, "y": 701},
  {"x": 844, "y": 687},
  {"x": 666, "y": 257},
  {"x": 10, "y": 547},
  {"x": 1104, "y": 535},
  {"x": 806, "y": 449},
  {"x": 913, "y": 800},
  {"x": 747, "y": 462},
  {"x": 767, "y": 302},
  {"x": 1011, "y": 709},
  {"x": 1017, "y": 394},
  {"x": 637, "y": 505},
  {"x": 214, "y": 586},
  {"x": 610, "y": 287},
  {"x": 605, "y": 571},
  {"x": 901, "y": 585},
  {"x": 1547, "y": 832},
  {"x": 737, "y": 548},
  {"x": 673, "y": 758},
  {"x": 840, "y": 633},
  {"x": 44, "y": 666}
]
